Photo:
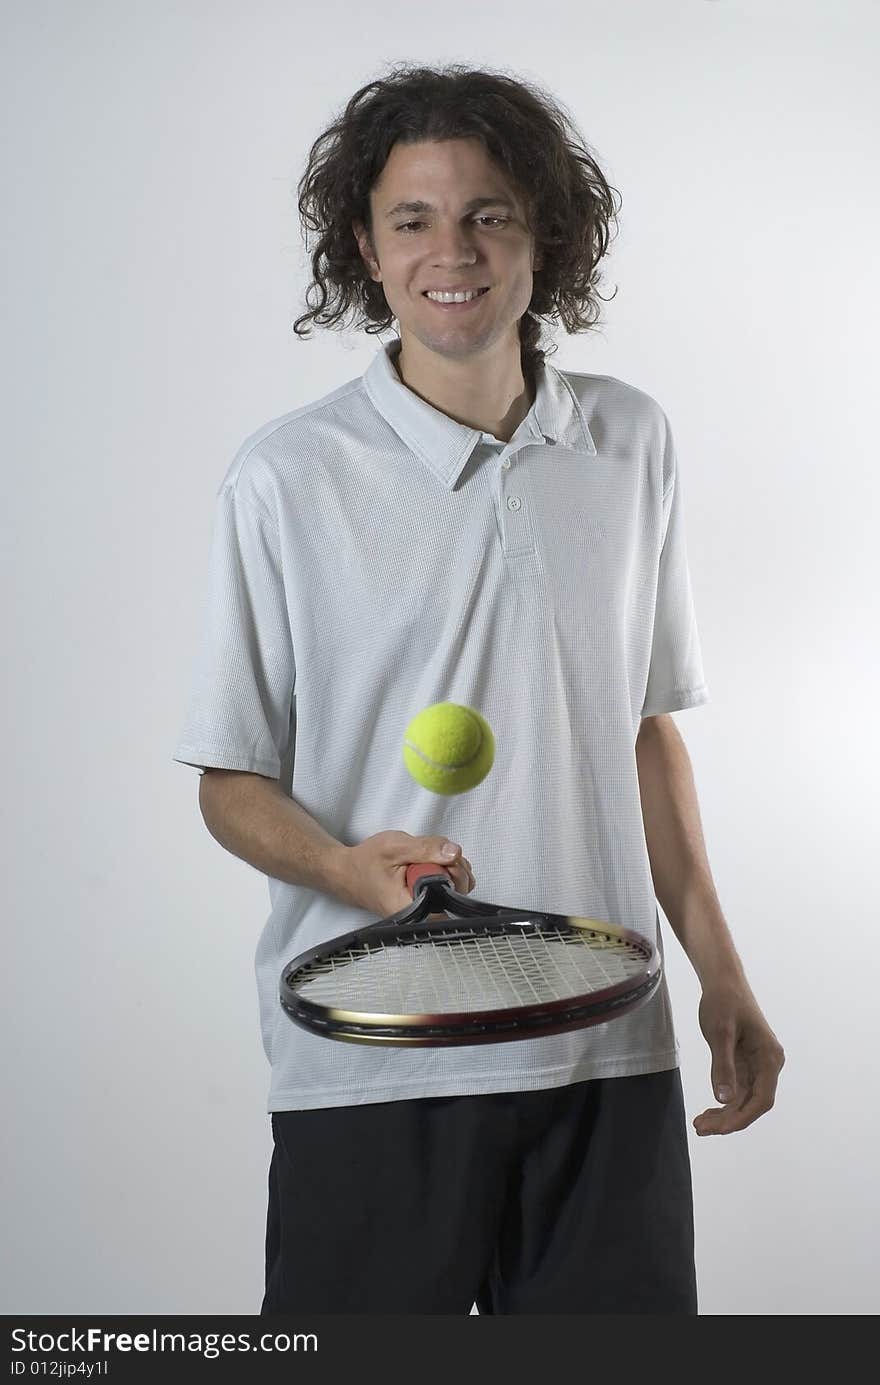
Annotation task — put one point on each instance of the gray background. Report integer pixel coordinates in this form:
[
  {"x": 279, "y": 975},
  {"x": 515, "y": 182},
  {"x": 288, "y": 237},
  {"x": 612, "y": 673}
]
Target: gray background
[{"x": 153, "y": 268}]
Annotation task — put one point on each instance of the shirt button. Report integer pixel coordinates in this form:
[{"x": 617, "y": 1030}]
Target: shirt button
[
  {"x": 514, "y": 503},
  {"x": 506, "y": 463}
]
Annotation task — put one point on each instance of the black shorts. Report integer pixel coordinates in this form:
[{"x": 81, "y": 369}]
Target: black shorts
[{"x": 572, "y": 1199}]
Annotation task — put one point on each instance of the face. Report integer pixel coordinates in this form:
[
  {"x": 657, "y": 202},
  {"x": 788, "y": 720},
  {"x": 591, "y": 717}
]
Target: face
[{"x": 448, "y": 244}]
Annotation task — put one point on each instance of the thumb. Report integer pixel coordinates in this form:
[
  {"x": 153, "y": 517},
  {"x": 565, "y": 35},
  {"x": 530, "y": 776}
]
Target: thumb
[
  {"x": 442, "y": 849},
  {"x": 438, "y": 849},
  {"x": 723, "y": 1076}
]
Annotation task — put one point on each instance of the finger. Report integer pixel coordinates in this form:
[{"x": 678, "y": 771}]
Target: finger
[{"x": 754, "y": 1102}]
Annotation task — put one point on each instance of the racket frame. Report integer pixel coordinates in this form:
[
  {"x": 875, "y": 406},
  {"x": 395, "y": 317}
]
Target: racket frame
[{"x": 453, "y": 1028}]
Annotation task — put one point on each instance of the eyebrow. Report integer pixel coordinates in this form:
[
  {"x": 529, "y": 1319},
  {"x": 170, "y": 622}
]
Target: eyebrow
[{"x": 469, "y": 206}]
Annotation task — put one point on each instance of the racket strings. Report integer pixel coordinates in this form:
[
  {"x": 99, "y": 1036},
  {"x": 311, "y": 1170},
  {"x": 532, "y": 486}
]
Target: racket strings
[{"x": 437, "y": 973}]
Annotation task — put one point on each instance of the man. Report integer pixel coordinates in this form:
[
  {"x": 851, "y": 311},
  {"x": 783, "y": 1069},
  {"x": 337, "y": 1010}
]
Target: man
[{"x": 444, "y": 528}]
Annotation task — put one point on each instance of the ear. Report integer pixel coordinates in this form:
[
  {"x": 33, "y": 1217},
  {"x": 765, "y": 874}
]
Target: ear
[{"x": 362, "y": 237}]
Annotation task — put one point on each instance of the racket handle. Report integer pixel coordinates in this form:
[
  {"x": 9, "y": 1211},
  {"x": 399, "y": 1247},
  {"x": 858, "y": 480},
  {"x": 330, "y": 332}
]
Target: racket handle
[{"x": 420, "y": 868}]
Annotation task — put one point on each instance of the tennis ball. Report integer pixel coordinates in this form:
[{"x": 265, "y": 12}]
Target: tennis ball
[{"x": 448, "y": 748}]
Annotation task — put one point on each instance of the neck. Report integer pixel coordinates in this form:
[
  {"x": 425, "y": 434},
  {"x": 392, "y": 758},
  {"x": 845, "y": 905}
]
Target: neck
[{"x": 493, "y": 396}]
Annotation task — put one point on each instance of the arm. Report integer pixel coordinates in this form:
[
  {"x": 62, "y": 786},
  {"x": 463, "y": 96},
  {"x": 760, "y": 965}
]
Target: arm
[
  {"x": 677, "y": 851},
  {"x": 255, "y": 819},
  {"x": 746, "y": 1055}
]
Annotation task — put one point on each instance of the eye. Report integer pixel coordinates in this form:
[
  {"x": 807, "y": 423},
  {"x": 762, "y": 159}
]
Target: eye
[{"x": 407, "y": 224}]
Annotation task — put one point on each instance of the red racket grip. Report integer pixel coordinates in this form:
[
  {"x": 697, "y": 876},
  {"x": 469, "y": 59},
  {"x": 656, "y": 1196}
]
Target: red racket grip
[{"x": 418, "y": 869}]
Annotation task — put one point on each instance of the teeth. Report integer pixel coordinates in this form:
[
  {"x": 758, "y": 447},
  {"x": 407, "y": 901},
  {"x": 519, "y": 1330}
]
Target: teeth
[{"x": 455, "y": 297}]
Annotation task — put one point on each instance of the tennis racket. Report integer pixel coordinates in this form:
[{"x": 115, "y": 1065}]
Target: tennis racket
[{"x": 471, "y": 973}]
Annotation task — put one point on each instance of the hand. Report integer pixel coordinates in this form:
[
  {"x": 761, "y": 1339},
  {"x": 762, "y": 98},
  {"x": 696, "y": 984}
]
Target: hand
[
  {"x": 375, "y": 870},
  {"x": 747, "y": 1057}
]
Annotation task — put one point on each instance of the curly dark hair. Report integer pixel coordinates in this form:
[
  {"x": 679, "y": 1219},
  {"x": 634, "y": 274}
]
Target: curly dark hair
[{"x": 526, "y": 133}]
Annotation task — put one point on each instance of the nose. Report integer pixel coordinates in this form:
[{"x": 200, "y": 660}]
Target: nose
[{"x": 451, "y": 246}]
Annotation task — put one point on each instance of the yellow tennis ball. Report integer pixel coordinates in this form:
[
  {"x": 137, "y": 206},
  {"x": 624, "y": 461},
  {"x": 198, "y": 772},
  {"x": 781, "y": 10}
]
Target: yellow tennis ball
[{"x": 448, "y": 748}]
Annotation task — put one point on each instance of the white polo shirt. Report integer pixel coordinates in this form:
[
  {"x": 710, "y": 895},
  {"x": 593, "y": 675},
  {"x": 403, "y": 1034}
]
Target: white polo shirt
[{"x": 371, "y": 556}]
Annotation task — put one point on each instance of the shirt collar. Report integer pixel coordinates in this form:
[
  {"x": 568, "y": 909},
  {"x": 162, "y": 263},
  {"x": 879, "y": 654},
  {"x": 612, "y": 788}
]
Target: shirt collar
[{"x": 444, "y": 445}]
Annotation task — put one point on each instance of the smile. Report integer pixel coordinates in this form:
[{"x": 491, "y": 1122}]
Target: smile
[{"x": 454, "y": 306}]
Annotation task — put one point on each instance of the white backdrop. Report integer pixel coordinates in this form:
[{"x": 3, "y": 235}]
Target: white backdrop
[{"x": 154, "y": 265}]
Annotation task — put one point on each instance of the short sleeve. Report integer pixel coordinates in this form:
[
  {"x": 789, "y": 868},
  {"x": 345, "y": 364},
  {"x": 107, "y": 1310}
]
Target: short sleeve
[
  {"x": 240, "y": 709},
  {"x": 675, "y": 675}
]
